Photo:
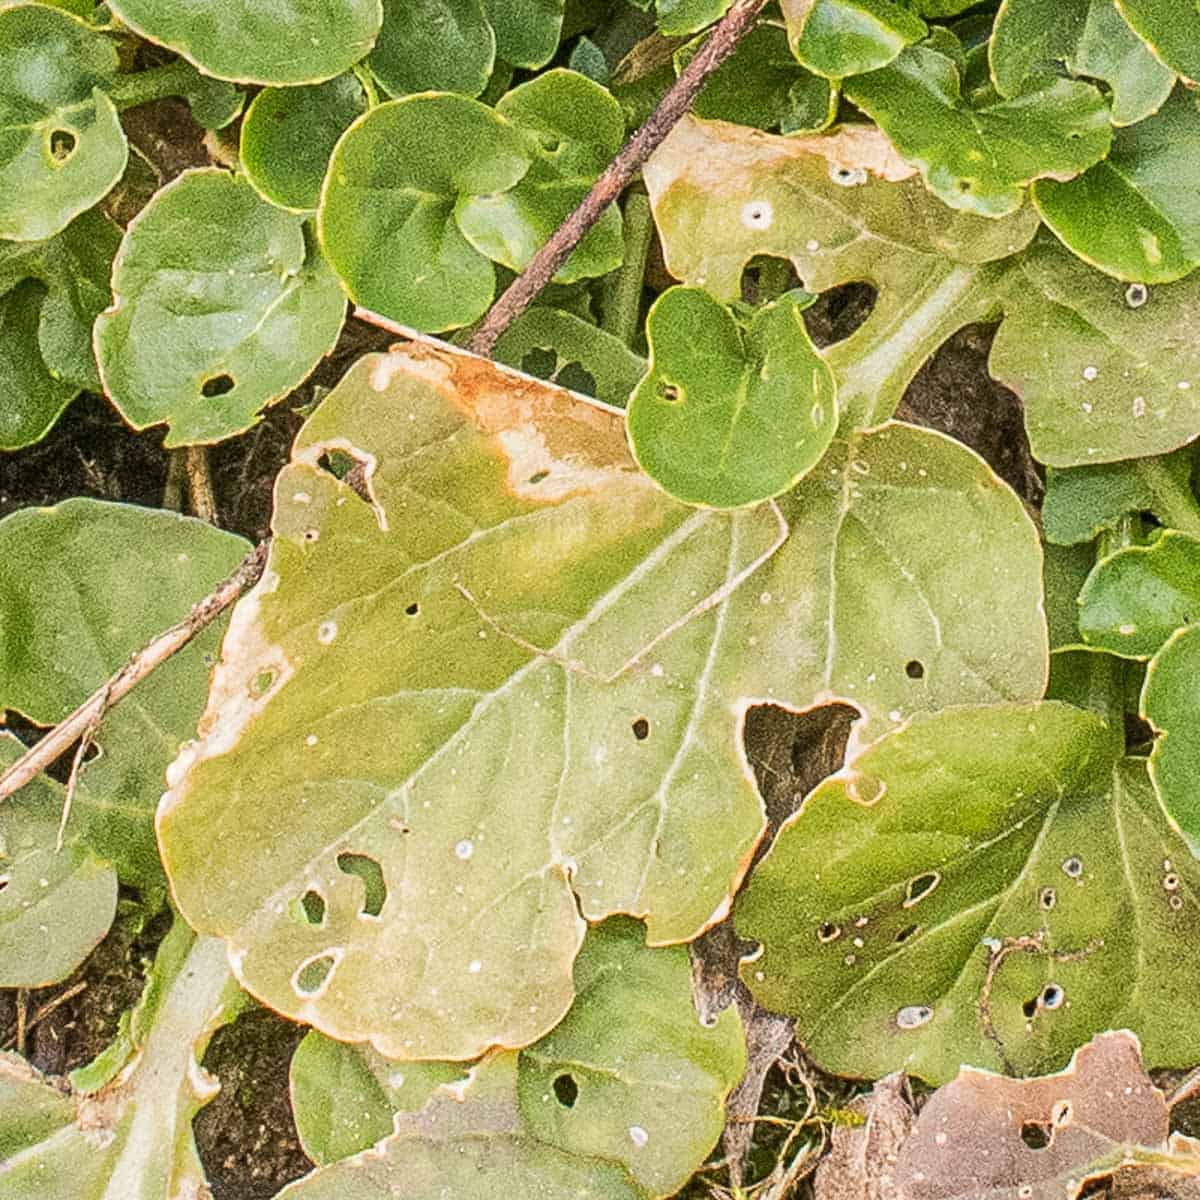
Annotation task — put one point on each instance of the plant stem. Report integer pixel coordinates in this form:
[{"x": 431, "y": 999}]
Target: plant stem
[
  {"x": 200, "y": 486},
  {"x": 172, "y": 496},
  {"x": 37, "y": 758},
  {"x": 128, "y": 91},
  {"x": 623, "y": 296},
  {"x": 736, "y": 23},
  {"x": 1172, "y": 501},
  {"x": 363, "y": 74}
]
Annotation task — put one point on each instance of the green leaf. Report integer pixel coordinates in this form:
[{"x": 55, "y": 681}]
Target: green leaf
[
  {"x": 105, "y": 579},
  {"x": 1171, "y": 702},
  {"x": 400, "y": 634},
  {"x": 220, "y": 307},
  {"x": 1064, "y": 572},
  {"x": 630, "y": 1076},
  {"x": 680, "y": 18},
  {"x": 726, "y": 417},
  {"x": 984, "y": 887},
  {"x": 573, "y": 127},
  {"x": 1081, "y": 502},
  {"x": 61, "y": 145},
  {"x": 1136, "y": 597},
  {"x": 614, "y": 368},
  {"x": 215, "y": 103},
  {"x": 979, "y": 156},
  {"x": 32, "y": 398},
  {"x": 434, "y": 45},
  {"x": 1136, "y": 215},
  {"x": 837, "y": 224},
  {"x": 288, "y": 136},
  {"x": 1170, "y": 29},
  {"x": 134, "y": 1138},
  {"x": 387, "y": 212},
  {"x": 57, "y": 902},
  {"x": 763, "y": 85},
  {"x": 1091, "y": 38},
  {"x": 1124, "y": 378},
  {"x": 285, "y": 42},
  {"x": 836, "y": 38},
  {"x": 527, "y": 31}
]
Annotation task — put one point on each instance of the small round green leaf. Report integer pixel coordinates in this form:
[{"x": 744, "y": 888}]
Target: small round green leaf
[
  {"x": 573, "y": 127},
  {"x": 1171, "y": 30},
  {"x": 527, "y": 31},
  {"x": 980, "y": 156},
  {"x": 247, "y": 41},
  {"x": 1136, "y": 215},
  {"x": 725, "y": 417},
  {"x": 220, "y": 307},
  {"x": 289, "y": 134},
  {"x": 434, "y": 45},
  {"x": 1171, "y": 703},
  {"x": 61, "y": 143},
  {"x": 1138, "y": 596},
  {"x": 836, "y": 38},
  {"x": 387, "y": 210},
  {"x": 679, "y": 18}
]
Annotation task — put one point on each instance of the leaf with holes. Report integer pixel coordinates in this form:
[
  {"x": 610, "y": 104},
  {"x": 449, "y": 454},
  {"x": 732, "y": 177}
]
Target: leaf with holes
[
  {"x": 387, "y": 209},
  {"x": 836, "y": 38},
  {"x": 132, "y": 1137},
  {"x": 515, "y": 629},
  {"x": 985, "y": 886},
  {"x": 1124, "y": 378},
  {"x": 63, "y": 147},
  {"x": 722, "y": 195},
  {"x": 56, "y": 902},
  {"x": 979, "y": 155},
  {"x": 220, "y": 306},
  {"x": 1138, "y": 596},
  {"x": 728, "y": 416},
  {"x": 573, "y": 127},
  {"x": 527, "y": 31},
  {"x": 434, "y": 45},
  {"x": 1170, "y": 29},
  {"x": 1032, "y": 38},
  {"x": 289, "y": 134},
  {"x": 1136, "y": 215},
  {"x": 105, "y": 578},
  {"x": 285, "y": 42},
  {"x": 1171, "y": 703},
  {"x": 630, "y": 1075}
]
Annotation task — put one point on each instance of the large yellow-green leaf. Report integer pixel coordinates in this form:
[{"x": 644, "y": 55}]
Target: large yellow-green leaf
[
  {"x": 987, "y": 887},
  {"x": 631, "y": 1075},
  {"x": 512, "y": 682}
]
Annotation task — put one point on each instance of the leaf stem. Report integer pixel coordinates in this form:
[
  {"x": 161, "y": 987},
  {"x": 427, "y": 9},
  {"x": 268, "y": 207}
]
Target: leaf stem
[
  {"x": 623, "y": 295},
  {"x": 722, "y": 42},
  {"x": 128, "y": 91},
  {"x": 1172, "y": 501}
]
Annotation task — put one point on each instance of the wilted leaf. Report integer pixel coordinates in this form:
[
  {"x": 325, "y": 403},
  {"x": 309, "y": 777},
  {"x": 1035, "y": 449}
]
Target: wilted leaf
[
  {"x": 434, "y": 45},
  {"x": 728, "y": 416},
  {"x": 220, "y": 306},
  {"x": 1139, "y": 595},
  {"x": 722, "y": 195},
  {"x": 284, "y": 42},
  {"x": 987, "y": 1137},
  {"x": 1170, "y": 29},
  {"x": 289, "y": 134},
  {"x": 573, "y": 128},
  {"x": 836, "y": 38},
  {"x": 56, "y": 903},
  {"x": 979, "y": 155},
  {"x": 527, "y": 31},
  {"x": 104, "y": 579},
  {"x": 63, "y": 147},
  {"x": 862, "y": 1157},
  {"x": 383, "y": 680},
  {"x": 984, "y": 886},
  {"x": 1091, "y": 38},
  {"x": 133, "y": 1138},
  {"x": 387, "y": 212}
]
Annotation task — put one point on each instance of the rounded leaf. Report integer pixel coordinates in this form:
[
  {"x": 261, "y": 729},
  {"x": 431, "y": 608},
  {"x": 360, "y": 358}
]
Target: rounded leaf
[
  {"x": 1170, "y": 29},
  {"x": 434, "y": 45},
  {"x": 220, "y": 306},
  {"x": 527, "y": 31},
  {"x": 284, "y": 42},
  {"x": 1171, "y": 703},
  {"x": 289, "y": 134},
  {"x": 836, "y": 38},
  {"x": 61, "y": 143},
  {"x": 387, "y": 210},
  {"x": 725, "y": 418}
]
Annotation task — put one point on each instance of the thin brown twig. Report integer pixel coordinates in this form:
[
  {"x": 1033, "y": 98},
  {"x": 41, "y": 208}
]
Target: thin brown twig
[
  {"x": 721, "y": 43},
  {"x": 10, "y": 1039},
  {"x": 85, "y": 741},
  {"x": 37, "y": 758},
  {"x": 200, "y": 485}
]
